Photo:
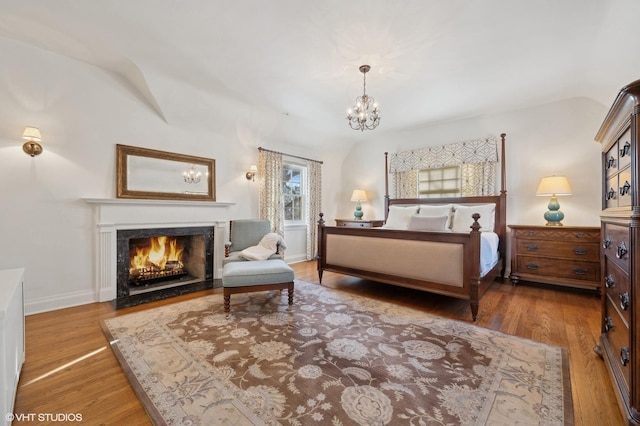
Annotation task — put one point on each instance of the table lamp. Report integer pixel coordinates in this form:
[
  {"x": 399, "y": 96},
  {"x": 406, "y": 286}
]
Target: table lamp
[
  {"x": 554, "y": 186},
  {"x": 357, "y": 196}
]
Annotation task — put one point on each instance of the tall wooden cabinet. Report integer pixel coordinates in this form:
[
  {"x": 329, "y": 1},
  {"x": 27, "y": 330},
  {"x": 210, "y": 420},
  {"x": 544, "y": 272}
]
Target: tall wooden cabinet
[{"x": 620, "y": 254}]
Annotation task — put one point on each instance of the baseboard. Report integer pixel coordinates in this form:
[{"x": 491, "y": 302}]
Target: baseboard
[
  {"x": 295, "y": 259},
  {"x": 54, "y": 303}
]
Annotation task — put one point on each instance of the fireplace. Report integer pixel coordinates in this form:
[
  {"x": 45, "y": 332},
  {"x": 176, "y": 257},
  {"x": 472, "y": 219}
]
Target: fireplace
[{"x": 156, "y": 263}]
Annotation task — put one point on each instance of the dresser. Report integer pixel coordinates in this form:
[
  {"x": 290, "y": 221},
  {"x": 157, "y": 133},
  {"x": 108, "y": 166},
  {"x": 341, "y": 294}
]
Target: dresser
[
  {"x": 11, "y": 338},
  {"x": 561, "y": 255},
  {"x": 620, "y": 223},
  {"x": 354, "y": 223}
]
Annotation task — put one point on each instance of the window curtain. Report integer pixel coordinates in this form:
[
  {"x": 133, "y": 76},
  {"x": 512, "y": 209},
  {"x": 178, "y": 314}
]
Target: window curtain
[
  {"x": 314, "y": 206},
  {"x": 271, "y": 204},
  {"x": 477, "y": 159}
]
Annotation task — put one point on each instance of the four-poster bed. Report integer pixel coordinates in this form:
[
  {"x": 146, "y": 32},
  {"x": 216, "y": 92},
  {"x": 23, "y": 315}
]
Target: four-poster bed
[{"x": 451, "y": 260}]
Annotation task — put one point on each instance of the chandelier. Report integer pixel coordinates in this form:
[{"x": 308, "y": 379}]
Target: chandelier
[
  {"x": 192, "y": 175},
  {"x": 364, "y": 114}
]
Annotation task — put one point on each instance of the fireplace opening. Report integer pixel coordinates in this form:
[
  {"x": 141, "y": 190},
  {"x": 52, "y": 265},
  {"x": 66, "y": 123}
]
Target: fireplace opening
[{"x": 157, "y": 263}]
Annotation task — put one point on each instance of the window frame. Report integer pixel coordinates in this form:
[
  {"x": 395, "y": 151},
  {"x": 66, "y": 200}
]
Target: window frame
[{"x": 303, "y": 170}]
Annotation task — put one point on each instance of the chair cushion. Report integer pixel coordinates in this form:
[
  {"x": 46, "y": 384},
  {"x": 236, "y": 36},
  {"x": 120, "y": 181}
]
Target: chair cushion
[{"x": 241, "y": 274}]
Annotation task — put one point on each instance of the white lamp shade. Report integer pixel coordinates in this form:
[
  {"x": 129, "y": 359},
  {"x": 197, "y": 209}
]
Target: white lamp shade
[
  {"x": 359, "y": 195},
  {"x": 31, "y": 134},
  {"x": 554, "y": 185},
  {"x": 253, "y": 168}
]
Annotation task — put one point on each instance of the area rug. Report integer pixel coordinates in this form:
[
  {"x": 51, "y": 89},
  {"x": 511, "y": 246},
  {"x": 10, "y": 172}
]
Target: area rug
[{"x": 333, "y": 358}]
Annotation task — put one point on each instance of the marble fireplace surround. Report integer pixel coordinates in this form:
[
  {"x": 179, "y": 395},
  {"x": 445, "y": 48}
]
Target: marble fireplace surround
[{"x": 113, "y": 214}]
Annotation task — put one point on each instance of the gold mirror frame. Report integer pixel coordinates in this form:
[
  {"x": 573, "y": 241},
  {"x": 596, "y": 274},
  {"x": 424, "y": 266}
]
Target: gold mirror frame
[{"x": 144, "y": 173}]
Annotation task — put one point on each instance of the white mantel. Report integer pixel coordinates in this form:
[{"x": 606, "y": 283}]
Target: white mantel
[{"x": 113, "y": 214}]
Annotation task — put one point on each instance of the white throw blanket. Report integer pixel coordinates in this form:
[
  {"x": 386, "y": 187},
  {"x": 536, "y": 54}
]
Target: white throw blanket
[{"x": 267, "y": 246}]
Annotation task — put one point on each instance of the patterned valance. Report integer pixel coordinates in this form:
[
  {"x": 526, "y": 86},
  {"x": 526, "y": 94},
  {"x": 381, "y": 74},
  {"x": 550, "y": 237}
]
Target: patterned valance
[{"x": 468, "y": 152}]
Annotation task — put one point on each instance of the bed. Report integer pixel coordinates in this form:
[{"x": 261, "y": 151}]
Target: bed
[{"x": 448, "y": 260}]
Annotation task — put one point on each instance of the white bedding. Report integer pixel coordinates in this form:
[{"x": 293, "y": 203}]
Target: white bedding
[{"x": 488, "y": 252}]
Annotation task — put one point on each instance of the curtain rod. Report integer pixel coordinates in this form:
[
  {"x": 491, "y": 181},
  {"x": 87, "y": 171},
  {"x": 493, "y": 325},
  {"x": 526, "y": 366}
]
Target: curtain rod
[{"x": 289, "y": 155}]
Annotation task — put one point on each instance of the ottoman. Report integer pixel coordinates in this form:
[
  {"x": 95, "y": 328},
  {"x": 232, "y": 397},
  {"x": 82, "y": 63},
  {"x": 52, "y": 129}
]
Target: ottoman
[{"x": 256, "y": 275}]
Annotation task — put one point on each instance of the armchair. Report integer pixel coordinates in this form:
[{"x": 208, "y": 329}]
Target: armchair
[{"x": 245, "y": 233}]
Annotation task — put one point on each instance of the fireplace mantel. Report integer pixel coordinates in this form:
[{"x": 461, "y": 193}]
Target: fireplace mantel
[{"x": 113, "y": 214}]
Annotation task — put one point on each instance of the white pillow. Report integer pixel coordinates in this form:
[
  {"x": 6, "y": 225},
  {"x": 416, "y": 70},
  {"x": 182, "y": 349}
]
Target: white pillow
[
  {"x": 429, "y": 223},
  {"x": 399, "y": 217},
  {"x": 440, "y": 210},
  {"x": 462, "y": 219}
]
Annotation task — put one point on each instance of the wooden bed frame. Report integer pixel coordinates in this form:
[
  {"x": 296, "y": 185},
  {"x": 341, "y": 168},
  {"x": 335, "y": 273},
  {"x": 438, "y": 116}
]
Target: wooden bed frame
[{"x": 472, "y": 286}]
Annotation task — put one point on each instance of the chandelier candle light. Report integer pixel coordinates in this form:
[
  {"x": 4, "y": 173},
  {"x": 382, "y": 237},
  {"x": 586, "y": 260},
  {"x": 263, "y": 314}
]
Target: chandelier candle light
[
  {"x": 554, "y": 186},
  {"x": 357, "y": 196},
  {"x": 364, "y": 114},
  {"x": 192, "y": 175}
]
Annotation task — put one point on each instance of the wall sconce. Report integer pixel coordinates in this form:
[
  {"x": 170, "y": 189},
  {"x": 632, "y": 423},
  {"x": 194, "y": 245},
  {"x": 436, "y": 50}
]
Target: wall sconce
[
  {"x": 554, "y": 186},
  {"x": 251, "y": 174},
  {"x": 32, "y": 136}
]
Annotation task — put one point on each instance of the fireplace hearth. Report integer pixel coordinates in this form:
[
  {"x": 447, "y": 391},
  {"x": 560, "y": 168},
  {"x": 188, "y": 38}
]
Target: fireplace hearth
[{"x": 153, "y": 264}]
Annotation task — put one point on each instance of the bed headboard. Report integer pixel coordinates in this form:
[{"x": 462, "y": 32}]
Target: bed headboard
[{"x": 499, "y": 200}]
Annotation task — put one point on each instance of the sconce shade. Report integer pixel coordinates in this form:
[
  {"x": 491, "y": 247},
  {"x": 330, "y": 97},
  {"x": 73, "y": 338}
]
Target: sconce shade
[
  {"x": 32, "y": 136},
  {"x": 359, "y": 195},
  {"x": 554, "y": 185}
]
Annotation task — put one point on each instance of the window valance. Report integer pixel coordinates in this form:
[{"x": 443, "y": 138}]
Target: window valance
[{"x": 467, "y": 152}]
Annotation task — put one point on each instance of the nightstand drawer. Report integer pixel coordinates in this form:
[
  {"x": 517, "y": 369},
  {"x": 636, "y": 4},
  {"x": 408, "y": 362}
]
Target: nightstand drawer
[
  {"x": 588, "y": 251},
  {"x": 587, "y": 271}
]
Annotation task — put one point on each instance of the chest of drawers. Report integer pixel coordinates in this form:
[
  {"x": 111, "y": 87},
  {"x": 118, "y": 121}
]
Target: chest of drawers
[
  {"x": 567, "y": 255},
  {"x": 619, "y": 343}
]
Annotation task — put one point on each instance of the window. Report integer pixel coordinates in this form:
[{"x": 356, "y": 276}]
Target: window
[
  {"x": 440, "y": 182},
  {"x": 293, "y": 191}
]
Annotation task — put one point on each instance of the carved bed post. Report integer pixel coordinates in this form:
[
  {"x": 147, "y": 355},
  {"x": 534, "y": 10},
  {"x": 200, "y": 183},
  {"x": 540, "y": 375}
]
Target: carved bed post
[
  {"x": 502, "y": 227},
  {"x": 386, "y": 186},
  {"x": 474, "y": 296},
  {"x": 321, "y": 246}
]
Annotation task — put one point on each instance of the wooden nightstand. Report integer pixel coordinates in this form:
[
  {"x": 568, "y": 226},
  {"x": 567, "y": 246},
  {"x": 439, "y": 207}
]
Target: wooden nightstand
[
  {"x": 562, "y": 255},
  {"x": 353, "y": 223}
]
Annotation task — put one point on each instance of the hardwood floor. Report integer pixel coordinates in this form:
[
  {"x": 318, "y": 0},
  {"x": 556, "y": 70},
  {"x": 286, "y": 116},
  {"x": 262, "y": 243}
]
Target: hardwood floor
[{"x": 70, "y": 368}]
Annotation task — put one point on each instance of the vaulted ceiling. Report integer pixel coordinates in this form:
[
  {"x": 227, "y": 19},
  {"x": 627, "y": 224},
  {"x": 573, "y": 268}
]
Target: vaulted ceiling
[{"x": 298, "y": 60}]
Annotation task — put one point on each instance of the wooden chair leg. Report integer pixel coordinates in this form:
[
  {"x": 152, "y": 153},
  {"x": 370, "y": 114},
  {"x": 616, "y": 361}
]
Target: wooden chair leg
[
  {"x": 290, "y": 292},
  {"x": 227, "y": 302}
]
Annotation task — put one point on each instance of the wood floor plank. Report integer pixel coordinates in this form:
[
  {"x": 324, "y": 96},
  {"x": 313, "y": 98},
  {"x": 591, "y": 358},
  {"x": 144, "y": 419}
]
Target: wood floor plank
[{"x": 97, "y": 388}]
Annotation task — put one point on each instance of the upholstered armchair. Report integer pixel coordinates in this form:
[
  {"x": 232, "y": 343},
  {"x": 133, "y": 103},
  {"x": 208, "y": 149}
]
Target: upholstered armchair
[{"x": 245, "y": 233}]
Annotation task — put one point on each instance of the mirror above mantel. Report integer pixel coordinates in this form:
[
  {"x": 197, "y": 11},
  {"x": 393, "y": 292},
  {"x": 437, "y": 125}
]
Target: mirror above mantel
[{"x": 152, "y": 174}]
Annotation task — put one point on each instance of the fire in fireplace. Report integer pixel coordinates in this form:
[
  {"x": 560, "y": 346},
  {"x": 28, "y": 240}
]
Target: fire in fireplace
[{"x": 157, "y": 263}]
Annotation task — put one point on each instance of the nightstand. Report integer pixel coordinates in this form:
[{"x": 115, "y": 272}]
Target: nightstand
[
  {"x": 562, "y": 255},
  {"x": 354, "y": 223}
]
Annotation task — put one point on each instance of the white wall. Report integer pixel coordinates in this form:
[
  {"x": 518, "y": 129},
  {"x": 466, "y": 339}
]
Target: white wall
[{"x": 83, "y": 112}]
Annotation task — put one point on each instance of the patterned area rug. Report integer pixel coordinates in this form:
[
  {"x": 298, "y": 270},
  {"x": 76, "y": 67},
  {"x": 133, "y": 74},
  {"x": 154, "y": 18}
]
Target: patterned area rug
[{"x": 333, "y": 358}]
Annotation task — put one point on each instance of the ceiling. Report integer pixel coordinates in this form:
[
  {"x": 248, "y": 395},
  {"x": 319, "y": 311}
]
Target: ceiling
[{"x": 298, "y": 60}]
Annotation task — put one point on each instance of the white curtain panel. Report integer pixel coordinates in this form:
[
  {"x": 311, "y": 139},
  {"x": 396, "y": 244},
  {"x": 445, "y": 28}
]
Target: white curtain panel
[
  {"x": 270, "y": 177},
  {"x": 314, "y": 206}
]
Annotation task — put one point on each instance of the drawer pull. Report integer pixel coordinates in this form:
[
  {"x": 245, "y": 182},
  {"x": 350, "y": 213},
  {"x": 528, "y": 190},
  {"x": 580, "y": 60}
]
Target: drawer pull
[
  {"x": 532, "y": 247},
  {"x": 611, "y": 194},
  {"x": 624, "y": 301},
  {"x": 532, "y": 266},
  {"x": 611, "y": 162},
  {"x": 608, "y": 324},
  {"x": 580, "y": 250},
  {"x": 607, "y": 242},
  {"x": 626, "y": 150},
  {"x": 609, "y": 281},
  {"x": 580, "y": 271},
  {"x": 622, "y": 250},
  {"x": 624, "y": 189},
  {"x": 624, "y": 356}
]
